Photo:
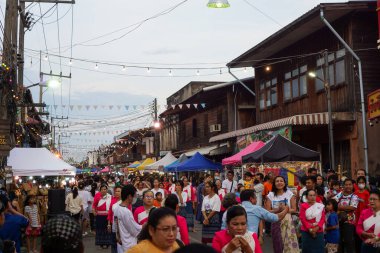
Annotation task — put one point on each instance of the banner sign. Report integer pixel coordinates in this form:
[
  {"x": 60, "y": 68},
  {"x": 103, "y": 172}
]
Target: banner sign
[
  {"x": 264, "y": 136},
  {"x": 374, "y": 105}
]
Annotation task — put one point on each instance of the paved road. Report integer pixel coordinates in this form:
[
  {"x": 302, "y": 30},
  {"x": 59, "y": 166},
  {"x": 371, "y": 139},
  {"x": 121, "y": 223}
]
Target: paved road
[{"x": 89, "y": 242}]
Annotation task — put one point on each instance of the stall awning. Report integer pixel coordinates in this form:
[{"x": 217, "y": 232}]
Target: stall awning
[
  {"x": 202, "y": 151},
  {"x": 303, "y": 119}
]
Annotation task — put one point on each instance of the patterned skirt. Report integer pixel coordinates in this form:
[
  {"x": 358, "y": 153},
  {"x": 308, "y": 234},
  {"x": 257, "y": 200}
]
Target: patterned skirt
[
  {"x": 103, "y": 237},
  {"x": 189, "y": 215},
  {"x": 208, "y": 231}
]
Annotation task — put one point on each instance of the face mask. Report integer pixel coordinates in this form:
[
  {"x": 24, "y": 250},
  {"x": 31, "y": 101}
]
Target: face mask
[
  {"x": 217, "y": 178},
  {"x": 361, "y": 186},
  {"x": 256, "y": 181}
]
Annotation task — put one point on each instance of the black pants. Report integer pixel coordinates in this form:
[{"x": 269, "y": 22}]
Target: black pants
[
  {"x": 347, "y": 238},
  {"x": 92, "y": 221},
  {"x": 268, "y": 227}
]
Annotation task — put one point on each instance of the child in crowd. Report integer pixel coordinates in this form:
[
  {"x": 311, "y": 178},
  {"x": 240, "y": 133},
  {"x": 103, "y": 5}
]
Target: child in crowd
[
  {"x": 332, "y": 226},
  {"x": 333, "y": 190},
  {"x": 157, "y": 202},
  {"x": 34, "y": 228}
]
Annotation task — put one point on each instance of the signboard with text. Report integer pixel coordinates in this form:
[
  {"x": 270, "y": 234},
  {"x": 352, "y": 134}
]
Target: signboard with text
[
  {"x": 5, "y": 141},
  {"x": 374, "y": 105}
]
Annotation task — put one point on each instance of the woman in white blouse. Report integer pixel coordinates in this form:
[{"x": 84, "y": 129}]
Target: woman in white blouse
[{"x": 210, "y": 210}]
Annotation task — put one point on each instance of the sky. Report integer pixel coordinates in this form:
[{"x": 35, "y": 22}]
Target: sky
[{"x": 189, "y": 36}]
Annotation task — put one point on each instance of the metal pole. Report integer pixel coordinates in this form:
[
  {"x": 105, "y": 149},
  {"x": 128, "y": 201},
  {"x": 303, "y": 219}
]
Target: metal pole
[
  {"x": 245, "y": 86},
  {"x": 364, "y": 121},
  {"x": 329, "y": 110}
]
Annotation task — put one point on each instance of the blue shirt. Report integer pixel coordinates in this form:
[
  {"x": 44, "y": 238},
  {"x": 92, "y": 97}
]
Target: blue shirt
[
  {"x": 332, "y": 236},
  {"x": 11, "y": 230},
  {"x": 255, "y": 214}
]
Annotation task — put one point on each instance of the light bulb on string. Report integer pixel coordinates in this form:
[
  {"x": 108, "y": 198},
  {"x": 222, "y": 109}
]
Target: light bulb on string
[
  {"x": 96, "y": 66},
  {"x": 220, "y": 71},
  {"x": 170, "y": 72},
  {"x": 148, "y": 70},
  {"x": 245, "y": 69},
  {"x": 124, "y": 68},
  {"x": 198, "y": 72},
  {"x": 71, "y": 62},
  {"x": 46, "y": 58}
]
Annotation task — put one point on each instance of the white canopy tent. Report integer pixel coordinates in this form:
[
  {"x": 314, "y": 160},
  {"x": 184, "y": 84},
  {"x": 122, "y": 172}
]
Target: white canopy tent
[
  {"x": 38, "y": 162},
  {"x": 169, "y": 158}
]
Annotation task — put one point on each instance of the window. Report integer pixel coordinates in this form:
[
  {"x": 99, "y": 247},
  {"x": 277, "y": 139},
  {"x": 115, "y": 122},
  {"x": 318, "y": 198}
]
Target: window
[
  {"x": 295, "y": 84},
  {"x": 268, "y": 93},
  {"x": 337, "y": 70},
  {"x": 194, "y": 128}
]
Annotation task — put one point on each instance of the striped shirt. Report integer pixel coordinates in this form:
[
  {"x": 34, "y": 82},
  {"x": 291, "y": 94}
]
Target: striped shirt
[{"x": 32, "y": 212}]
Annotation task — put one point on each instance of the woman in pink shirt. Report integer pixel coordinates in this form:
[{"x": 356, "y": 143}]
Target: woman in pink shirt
[
  {"x": 236, "y": 238},
  {"x": 171, "y": 202},
  {"x": 141, "y": 213},
  {"x": 100, "y": 208},
  {"x": 368, "y": 226},
  {"x": 312, "y": 216}
]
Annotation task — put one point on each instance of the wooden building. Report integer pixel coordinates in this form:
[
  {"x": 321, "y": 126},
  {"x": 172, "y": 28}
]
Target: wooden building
[
  {"x": 291, "y": 102},
  {"x": 210, "y": 109}
]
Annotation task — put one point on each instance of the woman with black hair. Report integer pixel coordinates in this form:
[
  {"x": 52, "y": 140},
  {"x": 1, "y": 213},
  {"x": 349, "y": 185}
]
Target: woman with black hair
[
  {"x": 141, "y": 213},
  {"x": 159, "y": 234},
  {"x": 182, "y": 197},
  {"x": 92, "y": 191},
  {"x": 74, "y": 203},
  {"x": 210, "y": 210},
  {"x": 236, "y": 238},
  {"x": 283, "y": 232},
  {"x": 100, "y": 208}
]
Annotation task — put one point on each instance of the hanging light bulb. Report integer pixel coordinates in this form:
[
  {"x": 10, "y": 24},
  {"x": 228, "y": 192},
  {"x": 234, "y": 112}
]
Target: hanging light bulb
[
  {"x": 218, "y": 4},
  {"x": 46, "y": 58},
  {"x": 124, "y": 68},
  {"x": 198, "y": 72},
  {"x": 71, "y": 62},
  {"x": 245, "y": 70},
  {"x": 96, "y": 66},
  {"x": 220, "y": 71},
  {"x": 170, "y": 72},
  {"x": 148, "y": 70}
]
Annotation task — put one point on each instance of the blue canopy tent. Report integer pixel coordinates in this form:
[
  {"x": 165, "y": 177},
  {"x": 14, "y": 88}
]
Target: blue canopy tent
[
  {"x": 173, "y": 166},
  {"x": 79, "y": 171},
  {"x": 197, "y": 163},
  {"x": 93, "y": 170}
]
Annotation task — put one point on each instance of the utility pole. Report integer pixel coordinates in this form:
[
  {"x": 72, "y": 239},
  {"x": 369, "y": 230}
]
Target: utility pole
[
  {"x": 329, "y": 110},
  {"x": 156, "y": 131}
]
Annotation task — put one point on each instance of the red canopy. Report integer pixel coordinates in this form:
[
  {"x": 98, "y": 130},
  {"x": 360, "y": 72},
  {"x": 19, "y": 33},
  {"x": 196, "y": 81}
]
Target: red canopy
[{"x": 236, "y": 158}]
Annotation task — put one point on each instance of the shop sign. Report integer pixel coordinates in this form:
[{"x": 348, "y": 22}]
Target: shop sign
[
  {"x": 5, "y": 142},
  {"x": 264, "y": 136},
  {"x": 374, "y": 105}
]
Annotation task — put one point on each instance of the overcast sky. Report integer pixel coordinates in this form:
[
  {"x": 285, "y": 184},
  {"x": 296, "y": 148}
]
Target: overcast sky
[{"x": 191, "y": 33}]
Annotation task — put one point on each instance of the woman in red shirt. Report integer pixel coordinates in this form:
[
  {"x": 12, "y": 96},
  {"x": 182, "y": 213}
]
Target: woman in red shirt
[
  {"x": 312, "y": 216},
  {"x": 100, "y": 208}
]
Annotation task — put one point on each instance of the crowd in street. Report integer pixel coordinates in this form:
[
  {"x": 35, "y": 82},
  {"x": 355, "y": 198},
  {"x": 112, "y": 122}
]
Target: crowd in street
[{"x": 155, "y": 213}]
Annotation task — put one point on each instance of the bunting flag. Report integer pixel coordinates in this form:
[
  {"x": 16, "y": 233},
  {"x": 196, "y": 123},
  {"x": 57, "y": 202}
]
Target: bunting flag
[
  {"x": 196, "y": 106},
  {"x": 118, "y": 107},
  {"x": 180, "y": 106},
  {"x": 95, "y": 107},
  {"x": 188, "y": 106},
  {"x": 203, "y": 105},
  {"x": 47, "y": 107},
  {"x": 173, "y": 106},
  {"x": 71, "y": 107},
  {"x": 134, "y": 107},
  {"x": 79, "y": 107},
  {"x": 55, "y": 107},
  {"x": 126, "y": 107},
  {"x": 87, "y": 107},
  {"x": 110, "y": 107},
  {"x": 64, "y": 106}
]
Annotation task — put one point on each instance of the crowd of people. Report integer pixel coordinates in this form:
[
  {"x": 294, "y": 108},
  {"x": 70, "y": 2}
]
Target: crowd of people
[{"x": 155, "y": 213}]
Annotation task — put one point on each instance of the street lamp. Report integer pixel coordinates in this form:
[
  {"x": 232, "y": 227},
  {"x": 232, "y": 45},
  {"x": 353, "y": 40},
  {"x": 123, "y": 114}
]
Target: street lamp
[
  {"x": 330, "y": 125},
  {"x": 52, "y": 83},
  {"x": 218, "y": 4}
]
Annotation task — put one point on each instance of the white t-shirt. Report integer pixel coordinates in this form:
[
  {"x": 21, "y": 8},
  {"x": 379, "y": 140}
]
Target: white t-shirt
[
  {"x": 73, "y": 205},
  {"x": 259, "y": 188},
  {"x": 140, "y": 193},
  {"x": 159, "y": 190},
  {"x": 128, "y": 228},
  {"x": 211, "y": 204},
  {"x": 86, "y": 197},
  {"x": 227, "y": 185},
  {"x": 184, "y": 198},
  {"x": 277, "y": 200}
]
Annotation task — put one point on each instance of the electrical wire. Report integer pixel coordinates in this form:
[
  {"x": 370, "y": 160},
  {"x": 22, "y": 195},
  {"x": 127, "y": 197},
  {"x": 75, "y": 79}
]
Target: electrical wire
[
  {"x": 43, "y": 29},
  {"x": 266, "y": 15}
]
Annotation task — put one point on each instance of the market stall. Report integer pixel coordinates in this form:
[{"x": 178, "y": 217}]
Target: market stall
[
  {"x": 236, "y": 159},
  {"x": 38, "y": 162},
  {"x": 198, "y": 163},
  {"x": 283, "y": 157},
  {"x": 172, "y": 167},
  {"x": 169, "y": 158},
  {"x": 145, "y": 163}
]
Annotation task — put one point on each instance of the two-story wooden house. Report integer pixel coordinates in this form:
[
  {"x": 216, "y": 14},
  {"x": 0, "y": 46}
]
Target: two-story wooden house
[
  {"x": 291, "y": 102},
  {"x": 211, "y": 109}
]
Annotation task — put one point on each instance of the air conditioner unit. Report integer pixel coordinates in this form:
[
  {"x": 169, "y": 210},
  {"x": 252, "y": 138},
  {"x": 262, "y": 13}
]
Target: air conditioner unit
[{"x": 215, "y": 128}]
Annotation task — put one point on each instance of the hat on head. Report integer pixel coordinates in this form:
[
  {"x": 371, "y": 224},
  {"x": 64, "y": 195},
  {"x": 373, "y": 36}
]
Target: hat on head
[{"x": 61, "y": 232}]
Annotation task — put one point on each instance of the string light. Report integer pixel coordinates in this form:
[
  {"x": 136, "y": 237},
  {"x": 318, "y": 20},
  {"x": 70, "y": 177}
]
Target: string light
[
  {"x": 124, "y": 68},
  {"x": 71, "y": 62},
  {"x": 46, "y": 58},
  {"x": 198, "y": 72},
  {"x": 245, "y": 70},
  {"x": 220, "y": 71},
  {"x": 148, "y": 70},
  {"x": 170, "y": 72},
  {"x": 96, "y": 66}
]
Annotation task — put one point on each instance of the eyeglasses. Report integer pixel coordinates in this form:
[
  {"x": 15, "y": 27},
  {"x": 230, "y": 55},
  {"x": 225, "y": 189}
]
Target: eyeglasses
[
  {"x": 167, "y": 230},
  {"x": 372, "y": 199},
  {"x": 148, "y": 197}
]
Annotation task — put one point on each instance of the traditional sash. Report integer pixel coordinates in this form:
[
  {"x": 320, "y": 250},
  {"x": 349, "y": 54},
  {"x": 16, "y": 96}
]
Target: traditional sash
[
  {"x": 373, "y": 221},
  {"x": 315, "y": 211},
  {"x": 248, "y": 236},
  {"x": 106, "y": 199}
]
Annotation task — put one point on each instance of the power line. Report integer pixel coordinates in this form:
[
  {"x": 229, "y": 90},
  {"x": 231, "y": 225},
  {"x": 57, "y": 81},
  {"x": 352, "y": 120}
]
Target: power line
[
  {"x": 43, "y": 29},
  {"x": 266, "y": 15}
]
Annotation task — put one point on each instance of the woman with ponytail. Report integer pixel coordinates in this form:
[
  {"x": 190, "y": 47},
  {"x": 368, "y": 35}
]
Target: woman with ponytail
[{"x": 74, "y": 204}]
